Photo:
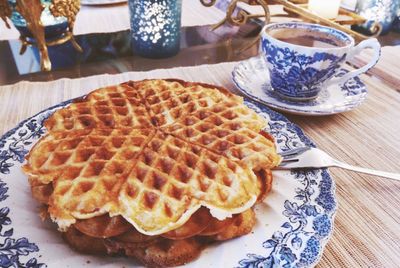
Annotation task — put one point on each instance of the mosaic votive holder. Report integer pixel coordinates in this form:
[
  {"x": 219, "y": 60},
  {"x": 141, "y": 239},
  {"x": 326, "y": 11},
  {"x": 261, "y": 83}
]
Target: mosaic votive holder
[{"x": 155, "y": 27}]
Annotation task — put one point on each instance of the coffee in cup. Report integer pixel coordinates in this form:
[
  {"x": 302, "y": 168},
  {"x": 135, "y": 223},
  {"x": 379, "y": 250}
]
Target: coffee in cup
[{"x": 303, "y": 58}]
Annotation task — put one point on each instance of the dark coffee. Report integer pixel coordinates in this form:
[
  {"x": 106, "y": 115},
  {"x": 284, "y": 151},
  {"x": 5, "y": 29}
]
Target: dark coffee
[{"x": 307, "y": 38}]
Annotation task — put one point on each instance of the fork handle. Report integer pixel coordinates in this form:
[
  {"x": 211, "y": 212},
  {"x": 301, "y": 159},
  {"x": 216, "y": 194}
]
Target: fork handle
[{"x": 393, "y": 176}]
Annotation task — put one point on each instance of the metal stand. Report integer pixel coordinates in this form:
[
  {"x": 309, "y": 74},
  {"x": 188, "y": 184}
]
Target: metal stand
[
  {"x": 293, "y": 10},
  {"x": 31, "y": 10}
]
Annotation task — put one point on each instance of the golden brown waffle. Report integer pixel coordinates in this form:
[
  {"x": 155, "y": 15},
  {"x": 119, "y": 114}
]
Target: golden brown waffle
[
  {"x": 86, "y": 169},
  {"x": 111, "y": 107},
  {"x": 62, "y": 150},
  {"x": 173, "y": 178},
  {"x": 161, "y": 253},
  {"x": 230, "y": 129},
  {"x": 84, "y": 243},
  {"x": 196, "y": 224},
  {"x": 168, "y": 100},
  {"x": 103, "y": 226},
  {"x": 151, "y": 162},
  {"x": 154, "y": 251},
  {"x": 242, "y": 224},
  {"x": 125, "y": 105}
]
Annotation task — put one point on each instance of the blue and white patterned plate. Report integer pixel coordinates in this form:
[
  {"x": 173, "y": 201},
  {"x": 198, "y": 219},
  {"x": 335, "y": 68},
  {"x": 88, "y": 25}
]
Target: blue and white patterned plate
[
  {"x": 251, "y": 77},
  {"x": 294, "y": 222}
]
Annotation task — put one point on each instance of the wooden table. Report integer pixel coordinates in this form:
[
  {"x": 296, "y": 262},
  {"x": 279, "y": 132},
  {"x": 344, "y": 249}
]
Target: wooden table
[
  {"x": 367, "y": 224},
  {"x": 367, "y": 232}
]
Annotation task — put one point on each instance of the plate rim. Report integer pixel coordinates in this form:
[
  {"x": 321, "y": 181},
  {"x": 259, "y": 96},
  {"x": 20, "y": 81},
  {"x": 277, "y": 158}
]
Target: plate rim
[
  {"x": 285, "y": 109},
  {"x": 303, "y": 137},
  {"x": 274, "y": 116}
]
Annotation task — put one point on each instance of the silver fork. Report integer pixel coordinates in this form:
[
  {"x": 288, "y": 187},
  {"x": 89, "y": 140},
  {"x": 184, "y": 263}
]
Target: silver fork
[{"x": 308, "y": 157}]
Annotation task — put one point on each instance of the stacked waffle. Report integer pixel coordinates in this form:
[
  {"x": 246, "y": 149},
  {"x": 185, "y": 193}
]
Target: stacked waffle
[{"x": 153, "y": 169}]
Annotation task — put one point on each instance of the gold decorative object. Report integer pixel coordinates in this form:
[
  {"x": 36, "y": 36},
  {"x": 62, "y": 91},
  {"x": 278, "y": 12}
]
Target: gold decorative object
[
  {"x": 347, "y": 17},
  {"x": 68, "y": 9},
  {"x": 207, "y": 3},
  {"x": 242, "y": 17},
  {"x": 5, "y": 11},
  {"x": 294, "y": 8},
  {"x": 31, "y": 11},
  {"x": 307, "y": 15}
]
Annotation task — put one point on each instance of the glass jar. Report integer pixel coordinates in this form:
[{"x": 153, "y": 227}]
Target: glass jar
[{"x": 155, "y": 27}]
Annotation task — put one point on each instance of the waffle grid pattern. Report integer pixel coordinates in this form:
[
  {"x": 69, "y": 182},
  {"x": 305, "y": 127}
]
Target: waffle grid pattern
[{"x": 152, "y": 151}]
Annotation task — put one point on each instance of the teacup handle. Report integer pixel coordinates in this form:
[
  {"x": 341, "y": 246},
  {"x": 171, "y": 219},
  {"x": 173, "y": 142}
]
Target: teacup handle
[{"x": 369, "y": 43}]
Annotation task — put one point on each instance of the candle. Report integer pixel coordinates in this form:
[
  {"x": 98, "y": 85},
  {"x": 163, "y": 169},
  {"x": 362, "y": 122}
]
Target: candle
[
  {"x": 349, "y": 4},
  {"x": 328, "y": 9}
]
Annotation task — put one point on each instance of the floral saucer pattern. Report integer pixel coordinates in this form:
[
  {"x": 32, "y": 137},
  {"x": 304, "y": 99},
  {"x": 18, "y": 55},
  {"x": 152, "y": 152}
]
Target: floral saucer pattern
[
  {"x": 251, "y": 77},
  {"x": 294, "y": 223}
]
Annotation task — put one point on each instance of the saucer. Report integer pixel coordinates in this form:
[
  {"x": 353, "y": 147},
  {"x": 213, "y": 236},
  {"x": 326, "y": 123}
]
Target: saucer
[{"x": 252, "y": 79}]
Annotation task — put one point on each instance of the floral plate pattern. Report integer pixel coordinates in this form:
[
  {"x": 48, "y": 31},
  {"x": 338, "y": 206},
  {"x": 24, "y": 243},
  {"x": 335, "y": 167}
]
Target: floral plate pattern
[
  {"x": 251, "y": 77},
  {"x": 294, "y": 222}
]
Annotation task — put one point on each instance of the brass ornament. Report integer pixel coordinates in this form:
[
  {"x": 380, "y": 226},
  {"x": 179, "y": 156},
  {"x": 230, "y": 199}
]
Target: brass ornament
[
  {"x": 68, "y": 9},
  {"x": 307, "y": 15},
  {"x": 31, "y": 11},
  {"x": 208, "y": 3},
  {"x": 5, "y": 11},
  {"x": 241, "y": 17}
]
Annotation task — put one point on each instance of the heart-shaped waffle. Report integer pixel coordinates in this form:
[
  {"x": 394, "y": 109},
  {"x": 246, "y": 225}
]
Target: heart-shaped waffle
[{"x": 153, "y": 152}]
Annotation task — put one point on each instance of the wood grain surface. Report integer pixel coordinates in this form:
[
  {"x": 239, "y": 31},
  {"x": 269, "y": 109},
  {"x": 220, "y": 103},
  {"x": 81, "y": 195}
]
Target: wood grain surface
[
  {"x": 387, "y": 68},
  {"x": 366, "y": 232}
]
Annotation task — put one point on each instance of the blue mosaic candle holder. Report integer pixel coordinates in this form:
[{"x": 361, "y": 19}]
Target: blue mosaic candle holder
[{"x": 155, "y": 27}]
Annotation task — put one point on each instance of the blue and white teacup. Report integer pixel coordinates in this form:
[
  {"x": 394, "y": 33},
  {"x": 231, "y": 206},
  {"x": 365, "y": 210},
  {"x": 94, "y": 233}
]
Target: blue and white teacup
[{"x": 303, "y": 58}]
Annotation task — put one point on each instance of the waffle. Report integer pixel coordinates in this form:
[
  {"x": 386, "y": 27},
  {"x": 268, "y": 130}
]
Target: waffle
[
  {"x": 146, "y": 163},
  {"x": 230, "y": 129},
  {"x": 168, "y": 100},
  {"x": 137, "y": 105},
  {"x": 62, "y": 150},
  {"x": 172, "y": 179},
  {"x": 156, "y": 251},
  {"x": 86, "y": 169},
  {"x": 111, "y": 107}
]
